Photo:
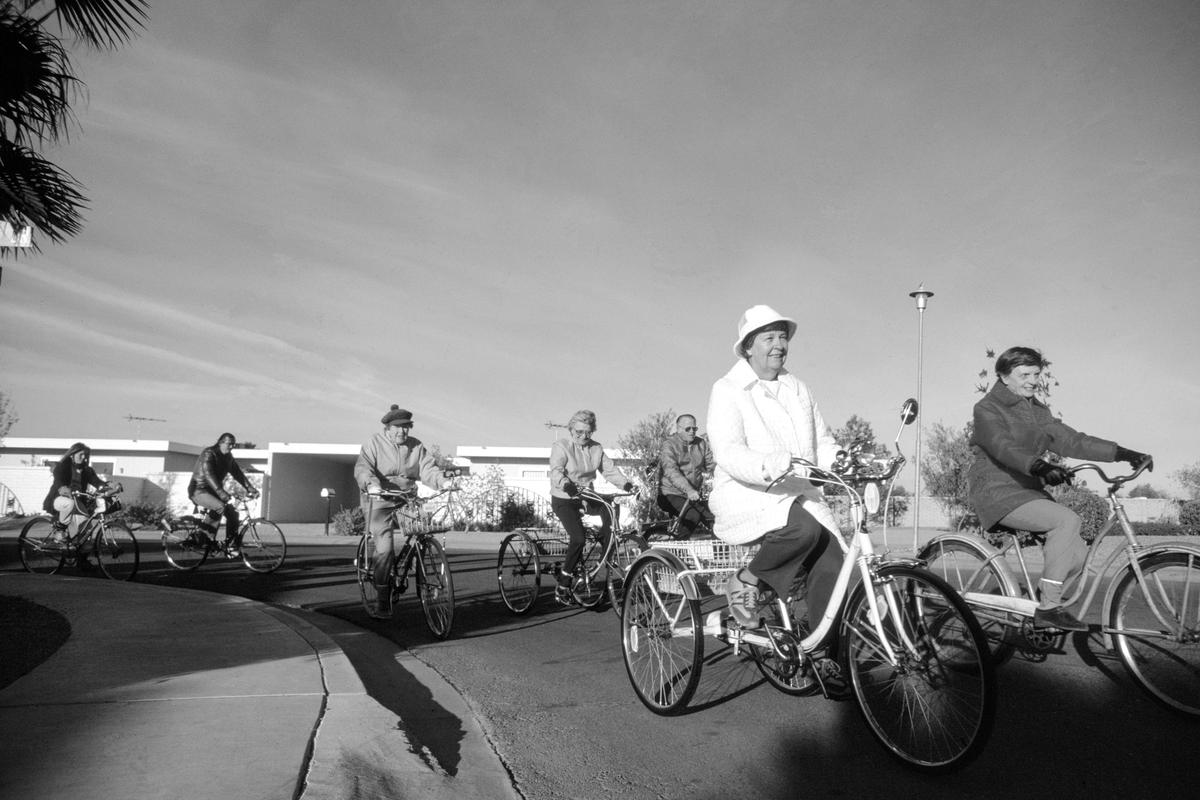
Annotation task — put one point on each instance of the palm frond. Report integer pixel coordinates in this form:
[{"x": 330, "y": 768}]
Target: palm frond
[
  {"x": 105, "y": 24},
  {"x": 34, "y": 191},
  {"x": 36, "y": 81}
]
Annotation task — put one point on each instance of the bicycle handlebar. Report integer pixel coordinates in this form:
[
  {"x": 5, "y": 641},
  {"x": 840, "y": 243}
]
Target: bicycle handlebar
[
  {"x": 1117, "y": 481},
  {"x": 108, "y": 490}
]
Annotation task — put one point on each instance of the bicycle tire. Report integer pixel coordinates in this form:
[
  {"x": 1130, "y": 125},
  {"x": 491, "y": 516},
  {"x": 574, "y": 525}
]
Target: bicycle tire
[
  {"x": 116, "y": 550},
  {"x": 588, "y": 588},
  {"x": 1164, "y": 663},
  {"x": 662, "y": 635},
  {"x": 625, "y": 552},
  {"x": 364, "y": 571},
  {"x": 435, "y": 586},
  {"x": 965, "y": 566},
  {"x": 518, "y": 572},
  {"x": 934, "y": 709},
  {"x": 39, "y": 553},
  {"x": 183, "y": 547},
  {"x": 262, "y": 545}
]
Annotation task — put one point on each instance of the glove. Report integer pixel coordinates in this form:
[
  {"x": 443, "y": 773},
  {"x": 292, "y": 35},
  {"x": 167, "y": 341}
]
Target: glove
[
  {"x": 776, "y": 464},
  {"x": 1131, "y": 457},
  {"x": 628, "y": 487},
  {"x": 570, "y": 488},
  {"x": 1050, "y": 474}
]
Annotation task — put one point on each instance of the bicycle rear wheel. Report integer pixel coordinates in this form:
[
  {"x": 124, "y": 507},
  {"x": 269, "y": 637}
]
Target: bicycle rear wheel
[
  {"x": 435, "y": 586},
  {"x": 968, "y": 571},
  {"x": 184, "y": 546},
  {"x": 931, "y": 702},
  {"x": 518, "y": 572},
  {"x": 625, "y": 551},
  {"x": 117, "y": 551},
  {"x": 1164, "y": 659},
  {"x": 263, "y": 546},
  {"x": 40, "y": 553},
  {"x": 661, "y": 635}
]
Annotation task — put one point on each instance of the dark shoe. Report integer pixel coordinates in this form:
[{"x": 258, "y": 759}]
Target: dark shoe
[
  {"x": 745, "y": 601},
  {"x": 832, "y": 679},
  {"x": 563, "y": 595},
  {"x": 231, "y": 550},
  {"x": 84, "y": 565},
  {"x": 1058, "y": 618}
]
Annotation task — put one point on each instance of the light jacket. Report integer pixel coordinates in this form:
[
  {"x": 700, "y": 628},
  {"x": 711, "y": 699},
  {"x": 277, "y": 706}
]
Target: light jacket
[
  {"x": 682, "y": 465},
  {"x": 1011, "y": 432},
  {"x": 579, "y": 464},
  {"x": 383, "y": 464},
  {"x": 746, "y": 424}
]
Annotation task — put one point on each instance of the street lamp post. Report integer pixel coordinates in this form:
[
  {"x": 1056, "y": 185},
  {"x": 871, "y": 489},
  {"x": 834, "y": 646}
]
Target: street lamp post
[
  {"x": 328, "y": 494},
  {"x": 921, "y": 295}
]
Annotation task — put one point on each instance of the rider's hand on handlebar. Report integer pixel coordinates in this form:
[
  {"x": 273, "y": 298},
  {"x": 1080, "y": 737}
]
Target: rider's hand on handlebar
[
  {"x": 1051, "y": 474},
  {"x": 628, "y": 487},
  {"x": 693, "y": 495},
  {"x": 1132, "y": 457},
  {"x": 570, "y": 488}
]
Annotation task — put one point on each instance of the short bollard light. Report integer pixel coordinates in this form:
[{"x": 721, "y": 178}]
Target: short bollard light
[{"x": 328, "y": 494}]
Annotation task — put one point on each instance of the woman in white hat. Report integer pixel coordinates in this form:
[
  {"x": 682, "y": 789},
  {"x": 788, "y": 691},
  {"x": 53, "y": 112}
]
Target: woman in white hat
[{"x": 760, "y": 417}]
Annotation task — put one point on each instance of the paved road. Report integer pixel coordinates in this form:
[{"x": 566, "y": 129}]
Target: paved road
[{"x": 557, "y": 705}]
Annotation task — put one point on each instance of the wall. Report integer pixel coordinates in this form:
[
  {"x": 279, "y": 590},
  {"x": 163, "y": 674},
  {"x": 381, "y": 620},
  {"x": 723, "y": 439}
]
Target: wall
[{"x": 296, "y": 483}]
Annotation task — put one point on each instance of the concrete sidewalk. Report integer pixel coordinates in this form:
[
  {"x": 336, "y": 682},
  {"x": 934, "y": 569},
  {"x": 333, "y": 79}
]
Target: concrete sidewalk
[{"x": 165, "y": 692}]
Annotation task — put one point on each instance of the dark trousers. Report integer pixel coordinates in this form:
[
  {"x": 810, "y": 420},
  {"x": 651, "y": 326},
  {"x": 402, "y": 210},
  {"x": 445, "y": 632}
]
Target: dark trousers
[
  {"x": 803, "y": 546},
  {"x": 696, "y": 513},
  {"x": 213, "y": 509},
  {"x": 567, "y": 510}
]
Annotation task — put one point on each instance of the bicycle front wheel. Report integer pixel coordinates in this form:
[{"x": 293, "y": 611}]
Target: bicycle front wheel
[
  {"x": 263, "y": 546},
  {"x": 626, "y": 549},
  {"x": 40, "y": 553},
  {"x": 364, "y": 571},
  {"x": 1156, "y": 626},
  {"x": 518, "y": 572},
  {"x": 969, "y": 572},
  {"x": 921, "y": 671},
  {"x": 117, "y": 551},
  {"x": 661, "y": 635},
  {"x": 435, "y": 585},
  {"x": 589, "y": 585},
  {"x": 185, "y": 548}
]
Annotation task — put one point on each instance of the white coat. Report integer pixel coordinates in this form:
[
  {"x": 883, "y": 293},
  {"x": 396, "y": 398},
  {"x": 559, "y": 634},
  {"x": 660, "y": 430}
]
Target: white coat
[{"x": 747, "y": 423}]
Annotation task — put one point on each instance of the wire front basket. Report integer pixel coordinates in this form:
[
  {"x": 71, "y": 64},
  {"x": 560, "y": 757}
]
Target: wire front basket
[{"x": 415, "y": 519}]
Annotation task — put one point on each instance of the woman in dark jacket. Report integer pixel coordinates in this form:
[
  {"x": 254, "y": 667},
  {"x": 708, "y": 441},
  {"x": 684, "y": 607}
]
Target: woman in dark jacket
[
  {"x": 1016, "y": 441},
  {"x": 72, "y": 473}
]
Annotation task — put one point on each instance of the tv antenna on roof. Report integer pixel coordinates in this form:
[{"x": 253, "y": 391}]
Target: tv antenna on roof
[{"x": 137, "y": 421}]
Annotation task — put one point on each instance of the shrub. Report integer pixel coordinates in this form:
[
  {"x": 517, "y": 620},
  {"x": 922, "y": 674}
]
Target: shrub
[
  {"x": 1162, "y": 529},
  {"x": 1189, "y": 516},
  {"x": 517, "y": 514},
  {"x": 147, "y": 515},
  {"x": 349, "y": 522},
  {"x": 1090, "y": 507}
]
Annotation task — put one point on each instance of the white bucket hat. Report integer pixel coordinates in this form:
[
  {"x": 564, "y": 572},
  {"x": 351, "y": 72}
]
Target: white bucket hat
[{"x": 759, "y": 317}]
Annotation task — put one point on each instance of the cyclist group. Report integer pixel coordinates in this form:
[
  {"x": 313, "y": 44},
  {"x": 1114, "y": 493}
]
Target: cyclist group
[{"x": 760, "y": 418}]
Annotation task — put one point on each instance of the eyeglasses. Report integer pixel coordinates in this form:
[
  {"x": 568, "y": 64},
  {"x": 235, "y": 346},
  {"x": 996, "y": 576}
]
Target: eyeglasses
[
  {"x": 581, "y": 431},
  {"x": 692, "y": 429}
]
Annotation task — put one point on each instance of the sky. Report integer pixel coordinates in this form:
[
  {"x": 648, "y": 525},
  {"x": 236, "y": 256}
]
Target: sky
[{"x": 497, "y": 213}]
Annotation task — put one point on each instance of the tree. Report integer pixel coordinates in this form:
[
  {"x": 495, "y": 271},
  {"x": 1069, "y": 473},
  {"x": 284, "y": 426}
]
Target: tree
[
  {"x": 1189, "y": 479},
  {"x": 8, "y": 416},
  {"x": 37, "y": 84},
  {"x": 643, "y": 443},
  {"x": 945, "y": 464},
  {"x": 858, "y": 429},
  {"x": 1147, "y": 491}
]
